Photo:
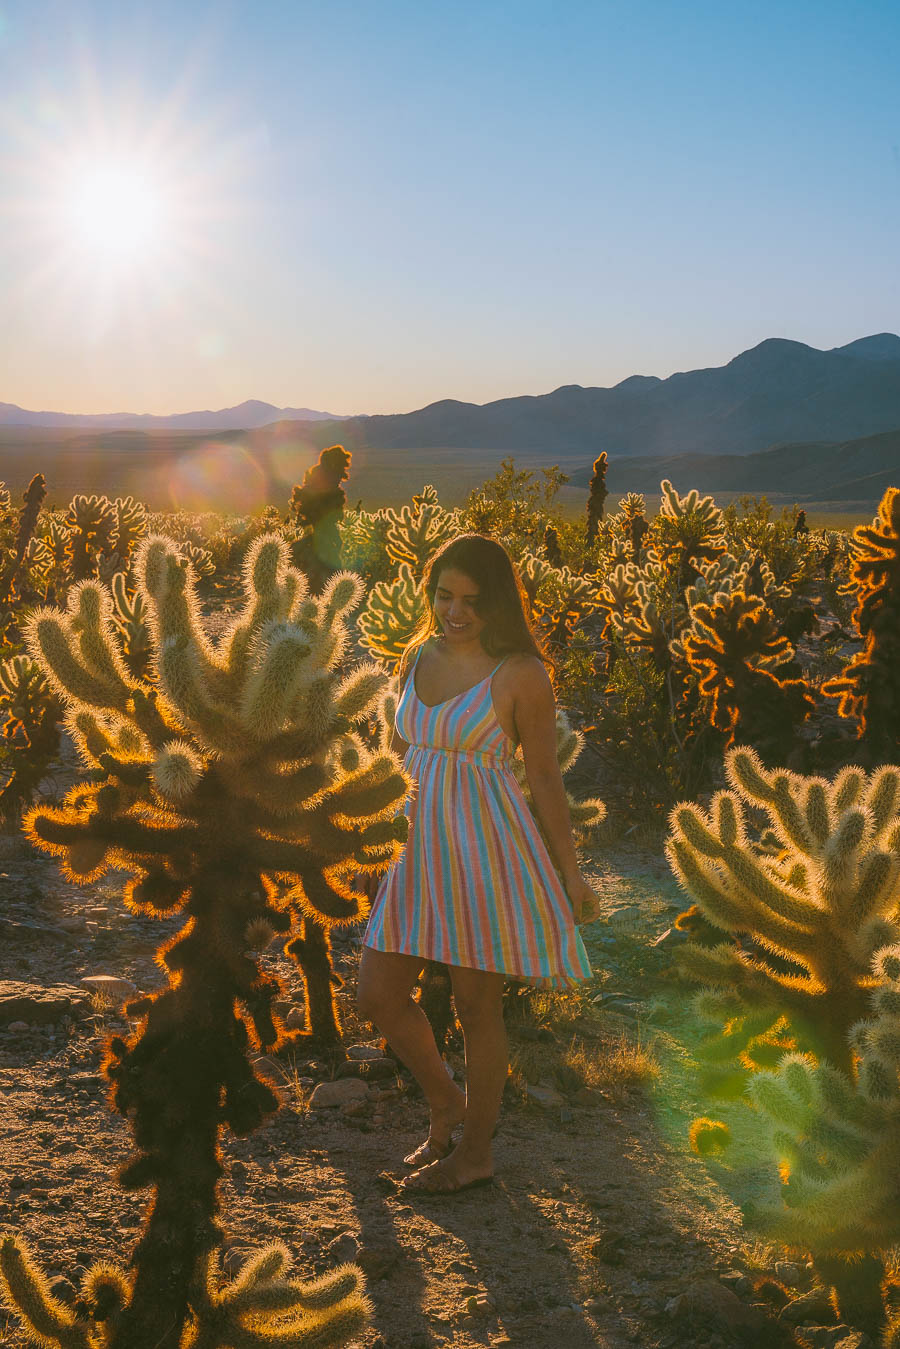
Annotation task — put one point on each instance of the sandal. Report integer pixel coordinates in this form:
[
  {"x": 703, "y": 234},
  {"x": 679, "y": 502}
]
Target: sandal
[
  {"x": 428, "y": 1152},
  {"x": 439, "y": 1183}
]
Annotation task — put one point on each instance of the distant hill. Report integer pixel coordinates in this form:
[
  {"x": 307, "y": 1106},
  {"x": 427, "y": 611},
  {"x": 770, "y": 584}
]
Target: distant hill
[
  {"x": 778, "y": 392},
  {"x": 851, "y": 470},
  {"x": 244, "y": 417}
]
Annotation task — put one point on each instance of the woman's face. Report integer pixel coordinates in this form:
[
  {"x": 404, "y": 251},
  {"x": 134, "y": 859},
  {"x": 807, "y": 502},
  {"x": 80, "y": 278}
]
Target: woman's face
[{"x": 455, "y": 598}]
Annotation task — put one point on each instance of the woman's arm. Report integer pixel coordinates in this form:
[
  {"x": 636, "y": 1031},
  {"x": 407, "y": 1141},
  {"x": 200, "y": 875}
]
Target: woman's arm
[{"x": 534, "y": 709}]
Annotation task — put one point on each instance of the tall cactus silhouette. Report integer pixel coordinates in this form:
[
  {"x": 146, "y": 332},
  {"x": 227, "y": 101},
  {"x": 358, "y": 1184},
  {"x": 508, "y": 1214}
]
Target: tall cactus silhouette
[
  {"x": 869, "y": 686},
  {"x": 597, "y": 497},
  {"x": 316, "y": 507},
  {"x": 805, "y": 909},
  {"x": 237, "y": 792}
]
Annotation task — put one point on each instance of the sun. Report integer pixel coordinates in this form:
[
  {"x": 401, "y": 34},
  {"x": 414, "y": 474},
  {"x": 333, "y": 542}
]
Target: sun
[{"x": 114, "y": 210}]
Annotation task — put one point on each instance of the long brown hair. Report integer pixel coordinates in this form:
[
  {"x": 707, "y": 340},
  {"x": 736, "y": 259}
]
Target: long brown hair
[{"x": 501, "y": 603}]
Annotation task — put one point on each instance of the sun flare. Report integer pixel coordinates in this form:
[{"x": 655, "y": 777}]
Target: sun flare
[{"x": 115, "y": 211}]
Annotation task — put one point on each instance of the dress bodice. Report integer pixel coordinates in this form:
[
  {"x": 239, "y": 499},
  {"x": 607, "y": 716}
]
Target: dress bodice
[{"x": 465, "y": 725}]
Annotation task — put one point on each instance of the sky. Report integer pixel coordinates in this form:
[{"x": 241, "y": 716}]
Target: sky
[{"x": 370, "y": 205}]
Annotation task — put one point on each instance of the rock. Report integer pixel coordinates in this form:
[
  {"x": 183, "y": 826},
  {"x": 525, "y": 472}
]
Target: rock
[
  {"x": 295, "y": 1019},
  {"x": 712, "y": 1306},
  {"x": 608, "y": 1248},
  {"x": 355, "y": 1109},
  {"x": 788, "y": 1273},
  {"x": 378, "y": 1261},
  {"x": 233, "y": 1258},
  {"x": 110, "y": 987},
  {"x": 338, "y": 1093},
  {"x": 38, "y": 1005},
  {"x": 238, "y": 1170},
  {"x": 61, "y": 1288},
  {"x": 737, "y": 1281},
  {"x": 812, "y": 1306},
  {"x": 361, "y": 1053},
  {"x": 544, "y": 1096},
  {"x": 18, "y": 1027},
  {"x": 72, "y": 922},
  {"x": 344, "y": 1248},
  {"x": 832, "y": 1337}
]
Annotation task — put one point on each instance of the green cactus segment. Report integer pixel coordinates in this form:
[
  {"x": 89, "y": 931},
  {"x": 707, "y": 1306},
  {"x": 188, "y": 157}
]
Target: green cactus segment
[
  {"x": 814, "y": 903},
  {"x": 225, "y": 793}
]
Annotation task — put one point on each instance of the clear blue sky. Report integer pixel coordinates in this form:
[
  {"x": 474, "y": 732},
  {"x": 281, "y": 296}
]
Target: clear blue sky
[{"x": 368, "y": 205}]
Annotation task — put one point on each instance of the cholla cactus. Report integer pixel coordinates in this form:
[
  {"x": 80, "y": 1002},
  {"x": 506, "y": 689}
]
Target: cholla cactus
[
  {"x": 634, "y": 523},
  {"x": 533, "y": 572},
  {"x": 725, "y": 574},
  {"x": 34, "y": 495},
  {"x": 617, "y": 598},
  {"x": 869, "y": 686},
  {"x": 239, "y": 777},
  {"x": 130, "y": 622},
  {"x": 30, "y": 714},
  {"x": 838, "y": 1138},
  {"x": 597, "y": 497},
  {"x": 816, "y": 898},
  {"x": 316, "y": 507},
  {"x": 689, "y": 530},
  {"x": 416, "y": 532},
  {"x": 563, "y": 598},
  {"x": 393, "y": 612},
  {"x": 364, "y": 544},
  {"x": 200, "y": 559},
  {"x": 259, "y": 1302},
  {"x": 129, "y": 528},
  {"x": 734, "y": 646},
  {"x": 585, "y": 813},
  {"x": 91, "y": 522}
]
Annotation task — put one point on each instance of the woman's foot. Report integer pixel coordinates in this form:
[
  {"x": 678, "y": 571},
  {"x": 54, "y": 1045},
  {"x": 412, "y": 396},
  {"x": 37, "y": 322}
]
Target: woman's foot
[
  {"x": 450, "y": 1175},
  {"x": 439, "y": 1141}
]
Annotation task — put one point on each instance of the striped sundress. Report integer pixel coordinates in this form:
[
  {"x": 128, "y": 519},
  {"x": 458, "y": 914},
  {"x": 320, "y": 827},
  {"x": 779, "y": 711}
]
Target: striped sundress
[{"x": 475, "y": 885}]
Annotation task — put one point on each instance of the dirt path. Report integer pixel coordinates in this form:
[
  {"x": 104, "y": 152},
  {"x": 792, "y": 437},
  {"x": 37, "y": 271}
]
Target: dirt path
[{"x": 599, "y": 1216}]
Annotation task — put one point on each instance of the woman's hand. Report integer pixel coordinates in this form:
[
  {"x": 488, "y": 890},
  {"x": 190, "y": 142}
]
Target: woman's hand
[{"x": 585, "y": 902}]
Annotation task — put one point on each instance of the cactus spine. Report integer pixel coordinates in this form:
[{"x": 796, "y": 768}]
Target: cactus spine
[{"x": 239, "y": 778}]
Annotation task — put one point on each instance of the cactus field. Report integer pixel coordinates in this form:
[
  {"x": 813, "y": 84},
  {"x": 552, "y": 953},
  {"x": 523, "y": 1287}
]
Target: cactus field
[{"x": 201, "y": 1140}]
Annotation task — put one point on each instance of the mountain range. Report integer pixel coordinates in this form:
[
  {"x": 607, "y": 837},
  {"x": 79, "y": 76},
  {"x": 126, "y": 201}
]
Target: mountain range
[
  {"x": 244, "y": 417},
  {"x": 779, "y": 392}
]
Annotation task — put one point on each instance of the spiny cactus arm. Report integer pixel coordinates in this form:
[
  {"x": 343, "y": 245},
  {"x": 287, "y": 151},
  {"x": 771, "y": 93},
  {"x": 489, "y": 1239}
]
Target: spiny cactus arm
[
  {"x": 274, "y": 592},
  {"x": 359, "y": 694},
  {"x": 278, "y": 793},
  {"x": 735, "y": 912},
  {"x": 882, "y": 799},
  {"x": 50, "y": 641},
  {"x": 27, "y": 1294},
  {"x": 284, "y": 663}
]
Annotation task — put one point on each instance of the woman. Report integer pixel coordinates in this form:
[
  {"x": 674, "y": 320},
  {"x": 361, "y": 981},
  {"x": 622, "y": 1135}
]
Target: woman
[{"x": 475, "y": 886}]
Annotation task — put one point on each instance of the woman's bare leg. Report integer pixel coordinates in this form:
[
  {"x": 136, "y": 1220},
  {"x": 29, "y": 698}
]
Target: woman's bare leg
[
  {"x": 478, "y": 995},
  {"x": 386, "y": 980}
]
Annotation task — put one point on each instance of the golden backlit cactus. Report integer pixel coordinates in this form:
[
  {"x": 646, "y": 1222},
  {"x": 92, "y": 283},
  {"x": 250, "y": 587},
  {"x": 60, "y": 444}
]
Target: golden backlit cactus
[
  {"x": 869, "y": 685},
  {"x": 29, "y": 714},
  {"x": 416, "y": 532},
  {"x": 805, "y": 909},
  {"x": 31, "y": 504},
  {"x": 688, "y": 531},
  {"x": 262, "y": 1306},
  {"x": 585, "y": 813},
  {"x": 392, "y": 614},
  {"x": 562, "y": 599},
  {"x": 734, "y": 646},
  {"x": 237, "y": 791},
  {"x": 91, "y": 523}
]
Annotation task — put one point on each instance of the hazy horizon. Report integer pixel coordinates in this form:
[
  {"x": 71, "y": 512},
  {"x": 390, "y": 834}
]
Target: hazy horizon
[{"x": 368, "y": 210}]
